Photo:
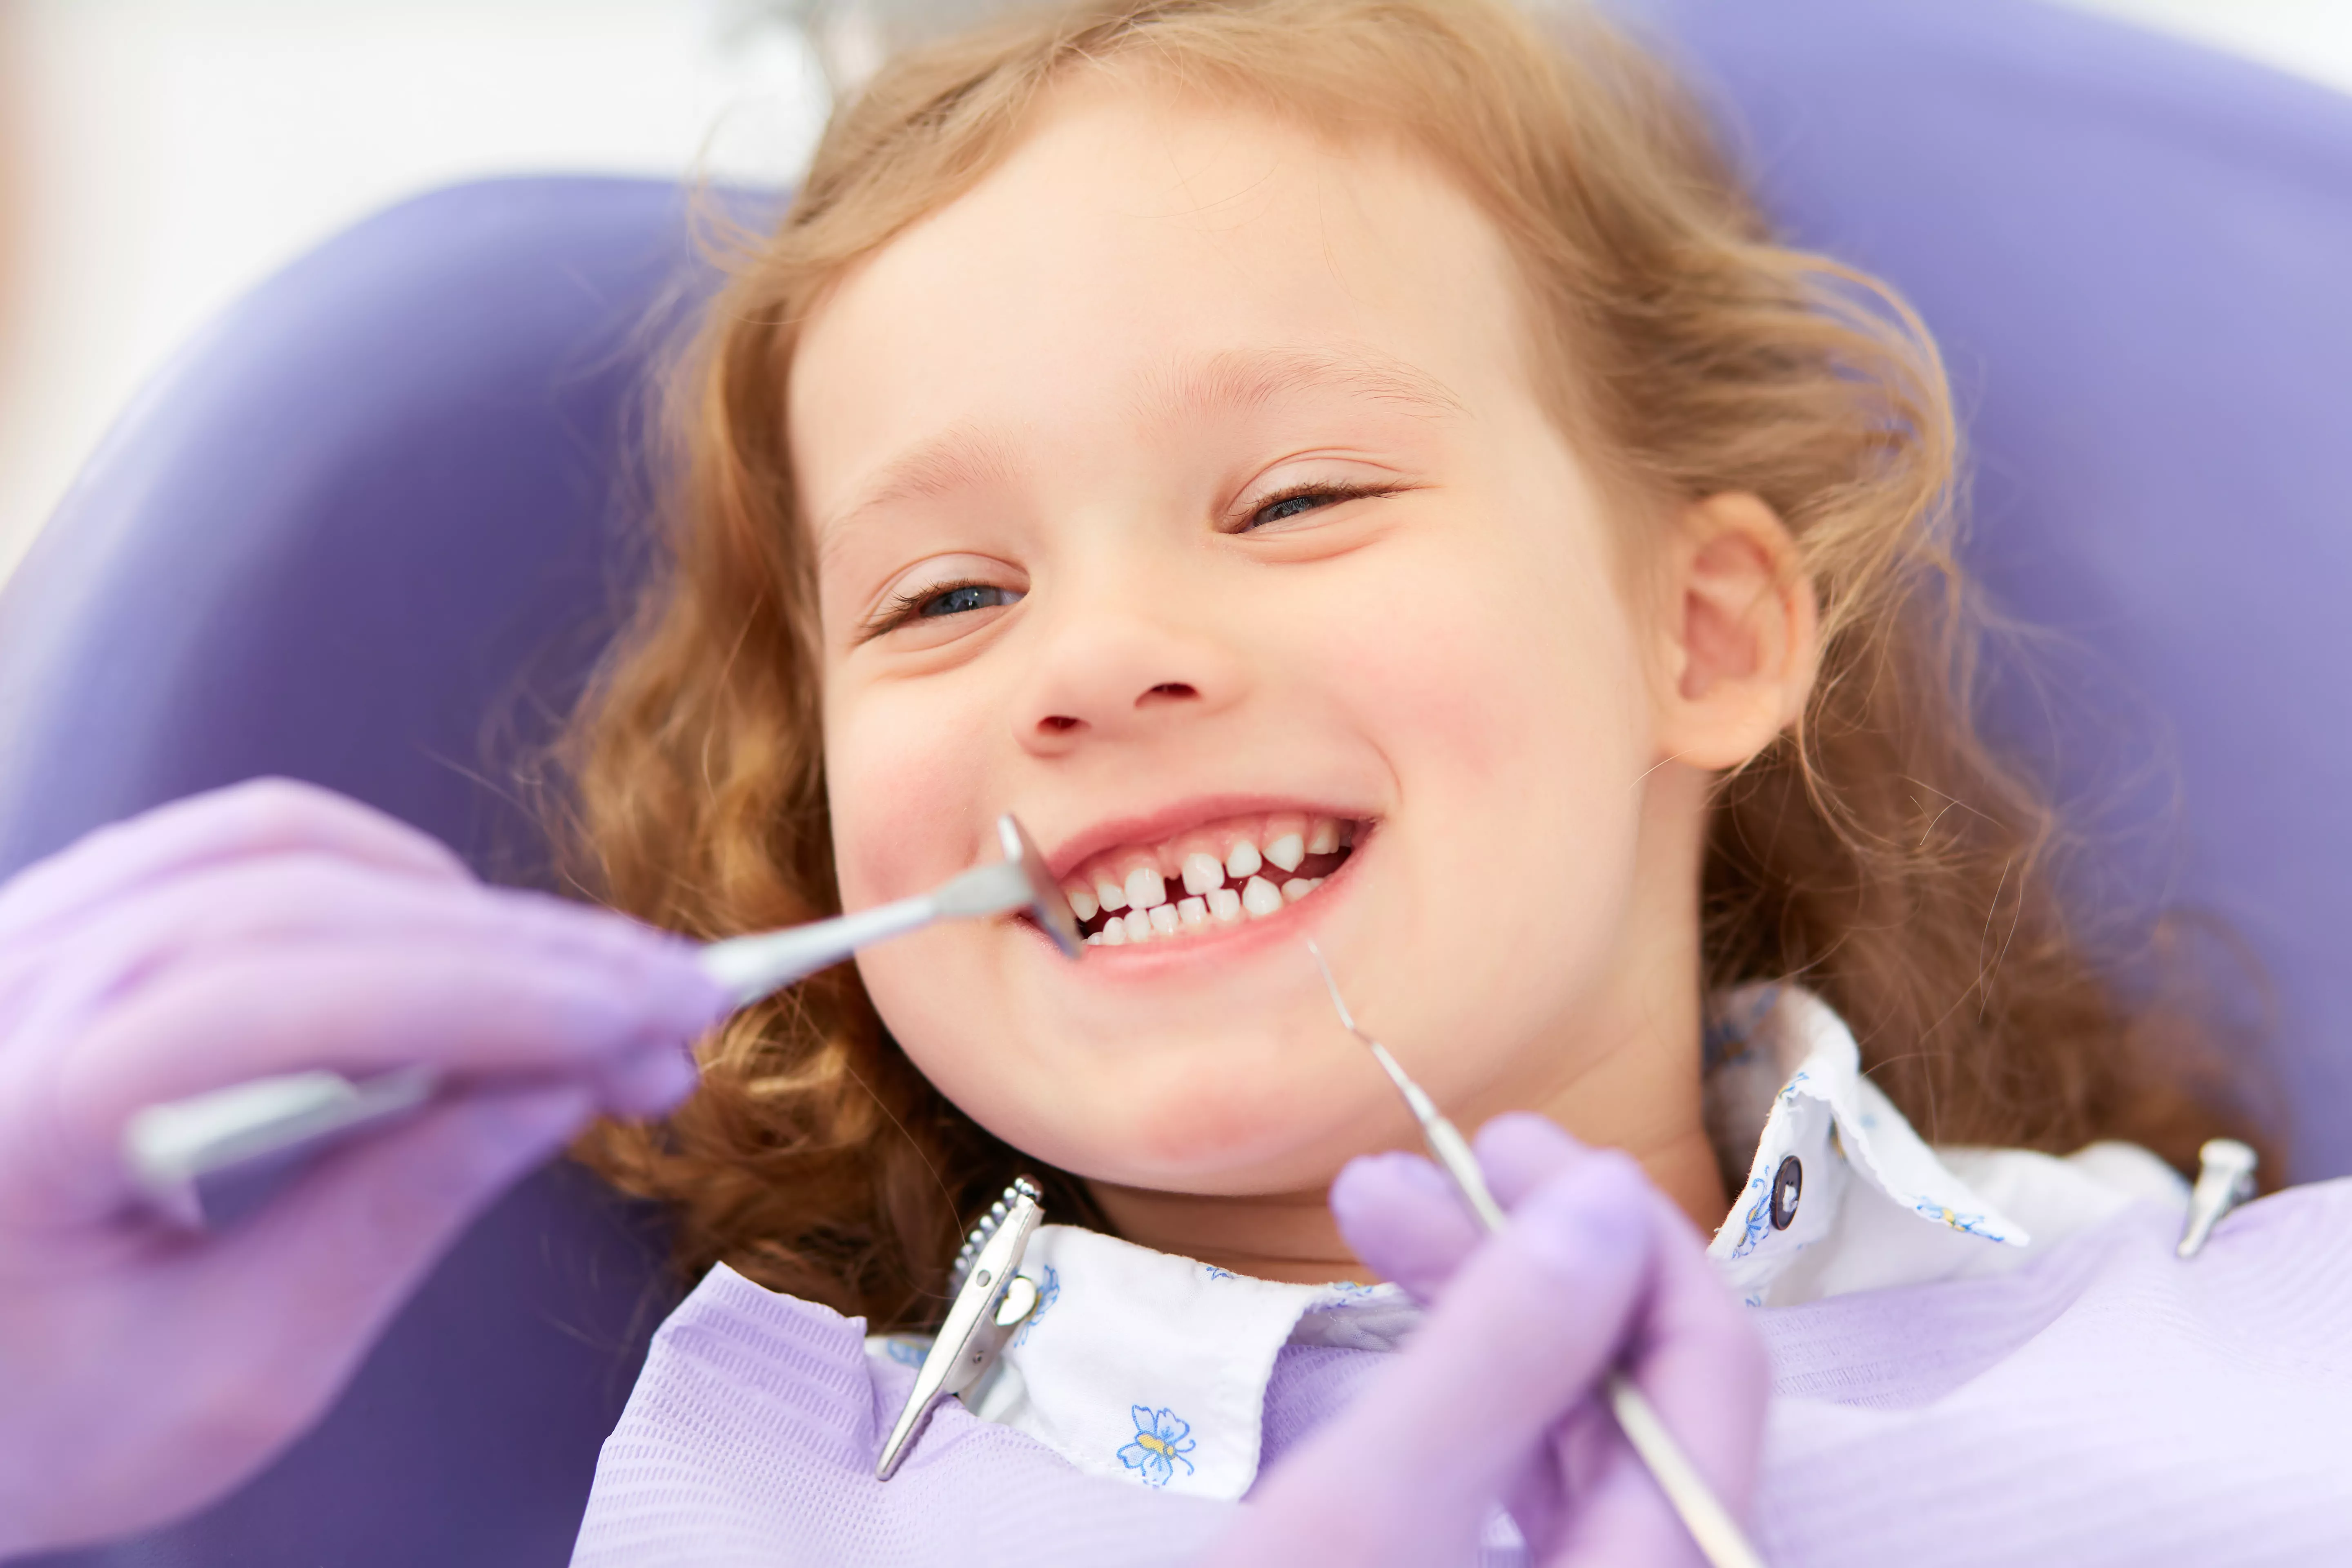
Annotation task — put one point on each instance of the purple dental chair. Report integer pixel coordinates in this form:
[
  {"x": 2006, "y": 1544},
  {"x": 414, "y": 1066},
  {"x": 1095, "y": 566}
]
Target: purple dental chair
[{"x": 371, "y": 528}]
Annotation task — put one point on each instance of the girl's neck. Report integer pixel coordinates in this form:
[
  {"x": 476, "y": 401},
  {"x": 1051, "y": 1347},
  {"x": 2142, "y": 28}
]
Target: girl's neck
[
  {"x": 1292, "y": 1236},
  {"x": 1637, "y": 1092}
]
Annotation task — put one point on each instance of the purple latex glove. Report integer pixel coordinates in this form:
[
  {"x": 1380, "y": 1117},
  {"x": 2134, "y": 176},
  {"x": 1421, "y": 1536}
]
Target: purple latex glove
[
  {"x": 265, "y": 929},
  {"x": 1496, "y": 1398}
]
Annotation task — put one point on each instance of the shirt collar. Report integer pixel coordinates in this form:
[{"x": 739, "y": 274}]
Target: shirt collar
[
  {"x": 1787, "y": 1081},
  {"x": 1151, "y": 1368}
]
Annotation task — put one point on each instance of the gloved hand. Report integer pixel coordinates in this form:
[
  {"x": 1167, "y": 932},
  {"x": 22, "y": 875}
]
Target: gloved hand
[
  {"x": 1498, "y": 1395},
  {"x": 265, "y": 929}
]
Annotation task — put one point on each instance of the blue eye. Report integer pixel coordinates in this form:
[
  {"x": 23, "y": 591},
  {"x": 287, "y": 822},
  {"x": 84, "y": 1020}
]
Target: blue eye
[
  {"x": 966, "y": 597},
  {"x": 1308, "y": 498},
  {"x": 1289, "y": 506},
  {"x": 932, "y": 604}
]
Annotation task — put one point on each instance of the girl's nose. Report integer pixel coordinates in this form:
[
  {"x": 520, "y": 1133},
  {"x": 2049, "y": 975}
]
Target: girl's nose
[{"x": 1124, "y": 677}]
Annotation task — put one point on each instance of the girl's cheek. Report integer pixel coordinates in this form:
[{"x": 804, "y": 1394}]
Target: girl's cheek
[
  {"x": 1491, "y": 661},
  {"x": 903, "y": 786}
]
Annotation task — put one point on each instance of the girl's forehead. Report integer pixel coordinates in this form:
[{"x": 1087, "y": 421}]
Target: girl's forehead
[{"x": 1140, "y": 249}]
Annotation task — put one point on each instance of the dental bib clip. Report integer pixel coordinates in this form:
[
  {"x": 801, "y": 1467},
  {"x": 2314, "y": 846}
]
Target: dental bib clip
[{"x": 992, "y": 1299}]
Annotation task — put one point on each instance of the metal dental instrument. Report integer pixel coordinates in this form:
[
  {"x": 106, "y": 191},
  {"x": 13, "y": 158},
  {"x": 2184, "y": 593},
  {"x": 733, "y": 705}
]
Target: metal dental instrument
[
  {"x": 1710, "y": 1524},
  {"x": 209, "y": 1159},
  {"x": 2225, "y": 1178},
  {"x": 760, "y": 965},
  {"x": 991, "y": 1300}
]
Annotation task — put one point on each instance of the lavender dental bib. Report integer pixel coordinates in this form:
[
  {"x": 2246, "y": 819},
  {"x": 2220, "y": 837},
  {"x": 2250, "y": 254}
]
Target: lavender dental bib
[{"x": 2104, "y": 1404}]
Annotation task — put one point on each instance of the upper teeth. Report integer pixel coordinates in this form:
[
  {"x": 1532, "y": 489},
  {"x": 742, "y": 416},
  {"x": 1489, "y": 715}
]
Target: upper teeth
[
  {"x": 1145, "y": 888},
  {"x": 1219, "y": 869}
]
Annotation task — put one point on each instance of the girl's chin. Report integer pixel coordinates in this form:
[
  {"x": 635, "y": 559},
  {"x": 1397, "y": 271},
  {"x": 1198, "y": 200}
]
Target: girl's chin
[{"x": 1218, "y": 1122}]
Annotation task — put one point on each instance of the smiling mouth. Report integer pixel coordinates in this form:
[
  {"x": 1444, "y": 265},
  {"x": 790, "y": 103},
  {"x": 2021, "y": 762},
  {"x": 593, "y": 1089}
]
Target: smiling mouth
[{"x": 1207, "y": 879}]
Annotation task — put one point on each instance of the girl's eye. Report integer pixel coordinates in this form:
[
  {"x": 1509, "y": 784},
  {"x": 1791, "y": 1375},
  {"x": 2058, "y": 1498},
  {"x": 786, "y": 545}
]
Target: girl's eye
[
  {"x": 937, "y": 604},
  {"x": 1289, "y": 506},
  {"x": 1303, "y": 499},
  {"x": 963, "y": 597}
]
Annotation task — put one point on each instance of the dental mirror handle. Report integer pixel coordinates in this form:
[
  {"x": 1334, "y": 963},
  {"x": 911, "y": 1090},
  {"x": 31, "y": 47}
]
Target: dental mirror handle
[
  {"x": 207, "y": 1161},
  {"x": 203, "y": 1160},
  {"x": 766, "y": 962},
  {"x": 760, "y": 965}
]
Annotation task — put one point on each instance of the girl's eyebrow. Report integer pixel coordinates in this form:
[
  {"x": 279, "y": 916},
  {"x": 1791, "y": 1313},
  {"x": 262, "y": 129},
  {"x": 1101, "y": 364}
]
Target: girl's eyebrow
[
  {"x": 965, "y": 456},
  {"x": 960, "y": 458},
  {"x": 1251, "y": 378}
]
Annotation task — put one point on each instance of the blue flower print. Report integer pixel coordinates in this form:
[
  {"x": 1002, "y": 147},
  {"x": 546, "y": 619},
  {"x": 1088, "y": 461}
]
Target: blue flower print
[
  {"x": 1758, "y": 1222},
  {"x": 906, "y": 1352},
  {"x": 1049, "y": 1291},
  {"x": 1163, "y": 1438},
  {"x": 1970, "y": 1223},
  {"x": 1216, "y": 1273}
]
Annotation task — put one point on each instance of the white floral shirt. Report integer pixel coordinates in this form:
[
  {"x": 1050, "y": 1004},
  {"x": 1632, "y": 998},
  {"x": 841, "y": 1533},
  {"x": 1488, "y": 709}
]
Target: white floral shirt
[{"x": 1152, "y": 1368}]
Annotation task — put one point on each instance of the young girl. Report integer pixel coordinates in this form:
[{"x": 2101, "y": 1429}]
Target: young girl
[
  {"x": 1347, "y": 470},
  {"x": 1340, "y": 470}
]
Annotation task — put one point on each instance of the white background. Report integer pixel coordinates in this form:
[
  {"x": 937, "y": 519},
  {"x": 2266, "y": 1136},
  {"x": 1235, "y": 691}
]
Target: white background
[{"x": 169, "y": 154}]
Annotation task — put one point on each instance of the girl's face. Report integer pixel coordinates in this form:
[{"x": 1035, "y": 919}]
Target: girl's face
[{"x": 1185, "y": 488}]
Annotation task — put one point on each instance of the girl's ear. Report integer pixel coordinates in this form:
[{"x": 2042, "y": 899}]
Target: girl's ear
[{"x": 1738, "y": 635}]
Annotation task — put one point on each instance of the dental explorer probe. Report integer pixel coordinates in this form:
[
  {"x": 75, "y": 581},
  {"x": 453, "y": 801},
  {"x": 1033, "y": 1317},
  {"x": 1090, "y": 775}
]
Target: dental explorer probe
[
  {"x": 1710, "y": 1524},
  {"x": 210, "y": 1158}
]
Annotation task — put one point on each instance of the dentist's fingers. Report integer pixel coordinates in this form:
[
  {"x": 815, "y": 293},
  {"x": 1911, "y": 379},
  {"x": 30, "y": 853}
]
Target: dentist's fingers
[
  {"x": 362, "y": 1007},
  {"x": 1705, "y": 1369},
  {"x": 144, "y": 933},
  {"x": 261, "y": 816},
  {"x": 352, "y": 1236},
  {"x": 1520, "y": 1150},
  {"x": 1697, "y": 1355},
  {"x": 1560, "y": 1285},
  {"x": 356, "y": 1008},
  {"x": 1529, "y": 1322},
  {"x": 337, "y": 1252},
  {"x": 1403, "y": 1216},
  {"x": 1693, "y": 1353},
  {"x": 1692, "y": 1350}
]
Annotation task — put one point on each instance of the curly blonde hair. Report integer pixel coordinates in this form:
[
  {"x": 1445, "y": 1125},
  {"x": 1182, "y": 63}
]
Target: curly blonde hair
[{"x": 1878, "y": 850}]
